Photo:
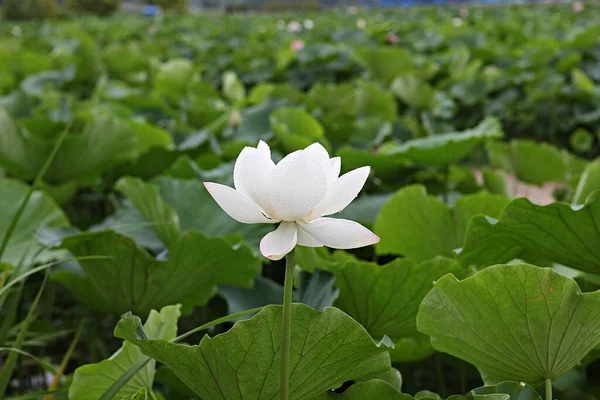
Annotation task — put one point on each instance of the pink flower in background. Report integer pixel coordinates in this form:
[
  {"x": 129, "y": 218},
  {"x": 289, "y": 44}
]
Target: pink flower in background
[
  {"x": 392, "y": 38},
  {"x": 297, "y": 45},
  {"x": 464, "y": 12},
  {"x": 578, "y": 6}
]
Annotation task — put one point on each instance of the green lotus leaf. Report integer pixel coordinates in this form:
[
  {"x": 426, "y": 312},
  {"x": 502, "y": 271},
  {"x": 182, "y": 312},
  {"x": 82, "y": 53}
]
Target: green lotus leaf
[
  {"x": 385, "y": 299},
  {"x": 448, "y": 148},
  {"x": 92, "y": 380},
  {"x": 516, "y": 322},
  {"x": 328, "y": 348},
  {"x": 421, "y": 227},
  {"x": 41, "y": 211},
  {"x": 133, "y": 280},
  {"x": 558, "y": 233}
]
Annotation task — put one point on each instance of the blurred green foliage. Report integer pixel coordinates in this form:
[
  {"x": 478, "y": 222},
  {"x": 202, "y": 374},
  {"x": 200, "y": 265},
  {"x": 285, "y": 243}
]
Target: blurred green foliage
[
  {"x": 174, "y": 5},
  {"x": 97, "y": 7},
  {"x": 29, "y": 9}
]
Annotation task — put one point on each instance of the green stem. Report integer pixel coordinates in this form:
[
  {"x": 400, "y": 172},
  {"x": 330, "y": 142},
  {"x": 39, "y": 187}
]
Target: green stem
[
  {"x": 286, "y": 333},
  {"x": 548, "y": 389},
  {"x": 447, "y": 184}
]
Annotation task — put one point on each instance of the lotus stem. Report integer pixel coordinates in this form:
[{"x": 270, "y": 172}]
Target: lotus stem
[
  {"x": 286, "y": 333},
  {"x": 548, "y": 389}
]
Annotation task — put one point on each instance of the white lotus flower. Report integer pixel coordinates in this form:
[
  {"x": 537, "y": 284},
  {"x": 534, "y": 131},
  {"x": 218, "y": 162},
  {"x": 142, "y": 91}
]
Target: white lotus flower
[{"x": 298, "y": 192}]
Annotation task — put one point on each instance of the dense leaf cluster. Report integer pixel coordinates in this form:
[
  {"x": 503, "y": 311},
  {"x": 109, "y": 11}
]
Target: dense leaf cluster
[{"x": 473, "y": 292}]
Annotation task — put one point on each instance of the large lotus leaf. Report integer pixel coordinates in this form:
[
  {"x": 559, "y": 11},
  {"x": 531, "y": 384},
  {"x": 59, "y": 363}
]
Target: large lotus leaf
[
  {"x": 448, "y": 148},
  {"x": 365, "y": 208},
  {"x": 558, "y": 232},
  {"x": 384, "y": 63},
  {"x": 104, "y": 142},
  {"x": 335, "y": 100},
  {"x": 385, "y": 166},
  {"x": 129, "y": 221},
  {"x": 315, "y": 289},
  {"x": 123, "y": 61},
  {"x": 23, "y": 62},
  {"x": 206, "y": 111},
  {"x": 421, "y": 227},
  {"x": 40, "y": 211},
  {"x": 295, "y": 128},
  {"x": 385, "y": 299},
  {"x": 255, "y": 123},
  {"x": 154, "y": 162},
  {"x": 260, "y": 93},
  {"x": 515, "y": 322},
  {"x": 198, "y": 211},
  {"x": 150, "y": 136},
  {"x": 167, "y": 205},
  {"x": 327, "y": 349},
  {"x": 531, "y": 162},
  {"x": 145, "y": 198},
  {"x": 16, "y": 154},
  {"x": 92, "y": 380},
  {"x": 81, "y": 51},
  {"x": 132, "y": 279},
  {"x": 310, "y": 259},
  {"x": 264, "y": 292},
  {"x": 35, "y": 85},
  {"x": 173, "y": 77},
  {"x": 71, "y": 276},
  {"x": 588, "y": 182},
  {"x": 583, "y": 37},
  {"x": 374, "y": 100},
  {"x": 413, "y": 91}
]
